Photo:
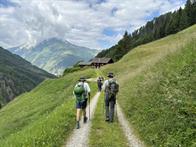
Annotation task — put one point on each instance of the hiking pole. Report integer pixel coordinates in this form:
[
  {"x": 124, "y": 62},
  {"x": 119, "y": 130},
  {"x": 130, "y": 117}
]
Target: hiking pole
[
  {"x": 103, "y": 106},
  {"x": 89, "y": 107},
  {"x": 116, "y": 112}
]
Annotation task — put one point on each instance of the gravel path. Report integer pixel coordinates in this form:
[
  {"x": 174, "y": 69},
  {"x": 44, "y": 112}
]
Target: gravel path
[
  {"x": 132, "y": 139},
  {"x": 79, "y": 138},
  {"x": 92, "y": 80}
]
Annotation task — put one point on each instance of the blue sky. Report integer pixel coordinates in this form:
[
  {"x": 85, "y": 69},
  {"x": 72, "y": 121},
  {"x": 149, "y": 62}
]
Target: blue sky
[
  {"x": 96, "y": 24},
  {"x": 6, "y": 3}
]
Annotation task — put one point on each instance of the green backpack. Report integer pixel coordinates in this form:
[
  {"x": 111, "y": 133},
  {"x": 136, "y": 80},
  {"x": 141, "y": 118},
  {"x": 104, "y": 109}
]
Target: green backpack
[{"x": 79, "y": 92}]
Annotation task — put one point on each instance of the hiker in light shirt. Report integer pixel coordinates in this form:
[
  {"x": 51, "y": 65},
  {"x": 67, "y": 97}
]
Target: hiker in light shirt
[
  {"x": 82, "y": 93},
  {"x": 111, "y": 88}
]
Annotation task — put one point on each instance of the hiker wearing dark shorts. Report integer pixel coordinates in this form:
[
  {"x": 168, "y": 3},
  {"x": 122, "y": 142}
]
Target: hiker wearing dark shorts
[
  {"x": 111, "y": 89},
  {"x": 82, "y": 93}
]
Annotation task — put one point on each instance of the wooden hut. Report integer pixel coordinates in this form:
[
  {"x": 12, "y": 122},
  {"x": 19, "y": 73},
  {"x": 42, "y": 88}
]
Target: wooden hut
[{"x": 98, "y": 62}]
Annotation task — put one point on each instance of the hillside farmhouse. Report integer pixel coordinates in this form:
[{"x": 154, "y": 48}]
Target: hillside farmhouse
[{"x": 97, "y": 62}]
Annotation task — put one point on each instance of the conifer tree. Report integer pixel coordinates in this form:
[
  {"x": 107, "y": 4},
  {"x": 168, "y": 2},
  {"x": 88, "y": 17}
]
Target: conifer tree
[{"x": 159, "y": 27}]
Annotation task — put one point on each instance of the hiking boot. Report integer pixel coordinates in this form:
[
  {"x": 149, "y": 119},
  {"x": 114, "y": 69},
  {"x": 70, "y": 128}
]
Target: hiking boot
[
  {"x": 78, "y": 125},
  {"x": 107, "y": 119},
  {"x": 111, "y": 121},
  {"x": 85, "y": 119}
]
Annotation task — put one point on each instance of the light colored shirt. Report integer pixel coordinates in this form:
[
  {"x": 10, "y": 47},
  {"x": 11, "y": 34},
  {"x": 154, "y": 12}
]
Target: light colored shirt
[{"x": 106, "y": 83}]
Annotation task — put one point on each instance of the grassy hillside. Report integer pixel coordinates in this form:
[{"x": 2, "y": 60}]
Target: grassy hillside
[
  {"x": 42, "y": 117},
  {"x": 157, "y": 82},
  {"x": 157, "y": 89},
  {"x": 17, "y": 76}
]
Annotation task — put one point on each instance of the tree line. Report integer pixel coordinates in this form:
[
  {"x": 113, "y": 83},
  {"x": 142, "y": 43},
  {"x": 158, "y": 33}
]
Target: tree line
[{"x": 159, "y": 27}]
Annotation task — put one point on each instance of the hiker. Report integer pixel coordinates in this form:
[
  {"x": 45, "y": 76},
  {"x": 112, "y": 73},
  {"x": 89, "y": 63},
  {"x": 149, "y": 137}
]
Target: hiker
[
  {"x": 111, "y": 88},
  {"x": 82, "y": 93},
  {"x": 99, "y": 83}
]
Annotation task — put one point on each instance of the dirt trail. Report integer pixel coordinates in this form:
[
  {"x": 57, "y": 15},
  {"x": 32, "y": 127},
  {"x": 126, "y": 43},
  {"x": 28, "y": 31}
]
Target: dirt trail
[
  {"x": 91, "y": 80},
  {"x": 128, "y": 131},
  {"x": 79, "y": 138}
]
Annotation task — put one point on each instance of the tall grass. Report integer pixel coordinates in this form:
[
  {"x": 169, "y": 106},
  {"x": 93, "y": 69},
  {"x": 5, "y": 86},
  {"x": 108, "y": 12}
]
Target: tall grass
[
  {"x": 157, "y": 89},
  {"x": 157, "y": 94},
  {"x": 43, "y": 117},
  {"x": 160, "y": 102}
]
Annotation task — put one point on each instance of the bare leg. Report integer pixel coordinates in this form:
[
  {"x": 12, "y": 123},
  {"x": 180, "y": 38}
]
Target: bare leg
[{"x": 78, "y": 111}]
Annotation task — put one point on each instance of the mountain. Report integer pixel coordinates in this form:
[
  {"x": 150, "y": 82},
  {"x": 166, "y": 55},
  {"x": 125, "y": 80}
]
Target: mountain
[
  {"x": 17, "y": 76},
  {"x": 157, "y": 96},
  {"x": 162, "y": 26},
  {"x": 54, "y": 55}
]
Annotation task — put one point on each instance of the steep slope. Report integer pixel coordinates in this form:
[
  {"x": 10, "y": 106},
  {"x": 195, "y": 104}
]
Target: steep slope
[
  {"x": 157, "y": 89},
  {"x": 47, "y": 117},
  {"x": 54, "y": 55},
  {"x": 17, "y": 76},
  {"x": 42, "y": 117}
]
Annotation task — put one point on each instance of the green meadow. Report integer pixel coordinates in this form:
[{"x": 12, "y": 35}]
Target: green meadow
[
  {"x": 43, "y": 117},
  {"x": 157, "y": 95},
  {"x": 157, "y": 89}
]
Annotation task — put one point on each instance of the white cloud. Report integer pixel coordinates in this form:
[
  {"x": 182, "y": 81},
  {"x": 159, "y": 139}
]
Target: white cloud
[{"x": 81, "y": 22}]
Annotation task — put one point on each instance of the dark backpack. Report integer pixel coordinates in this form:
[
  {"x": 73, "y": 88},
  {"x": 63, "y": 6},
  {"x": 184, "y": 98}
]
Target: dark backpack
[
  {"x": 113, "y": 88},
  {"x": 79, "y": 92},
  {"x": 99, "y": 82}
]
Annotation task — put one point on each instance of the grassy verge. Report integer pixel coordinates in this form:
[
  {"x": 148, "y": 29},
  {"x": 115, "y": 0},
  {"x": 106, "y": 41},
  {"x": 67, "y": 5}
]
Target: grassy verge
[
  {"x": 103, "y": 134},
  {"x": 157, "y": 89},
  {"x": 43, "y": 117},
  {"x": 161, "y": 103},
  {"x": 158, "y": 98}
]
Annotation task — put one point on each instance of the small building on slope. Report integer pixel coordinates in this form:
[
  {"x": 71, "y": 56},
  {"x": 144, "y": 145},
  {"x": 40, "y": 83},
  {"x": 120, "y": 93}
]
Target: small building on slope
[{"x": 98, "y": 62}]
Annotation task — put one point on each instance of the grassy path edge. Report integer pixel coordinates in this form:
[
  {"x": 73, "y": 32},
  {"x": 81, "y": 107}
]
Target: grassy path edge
[
  {"x": 133, "y": 140},
  {"x": 79, "y": 137}
]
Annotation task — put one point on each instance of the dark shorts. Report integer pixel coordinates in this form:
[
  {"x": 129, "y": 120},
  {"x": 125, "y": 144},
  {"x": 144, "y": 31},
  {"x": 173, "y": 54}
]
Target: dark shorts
[{"x": 81, "y": 105}]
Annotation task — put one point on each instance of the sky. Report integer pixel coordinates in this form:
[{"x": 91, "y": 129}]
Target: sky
[{"x": 96, "y": 24}]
